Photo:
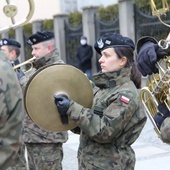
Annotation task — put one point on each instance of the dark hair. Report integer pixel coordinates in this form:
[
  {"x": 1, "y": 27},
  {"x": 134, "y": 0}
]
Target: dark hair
[
  {"x": 16, "y": 49},
  {"x": 128, "y": 53}
]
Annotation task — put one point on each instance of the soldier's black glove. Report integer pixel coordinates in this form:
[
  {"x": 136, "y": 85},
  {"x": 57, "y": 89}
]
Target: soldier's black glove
[
  {"x": 149, "y": 54},
  {"x": 161, "y": 115},
  {"x": 63, "y": 103}
]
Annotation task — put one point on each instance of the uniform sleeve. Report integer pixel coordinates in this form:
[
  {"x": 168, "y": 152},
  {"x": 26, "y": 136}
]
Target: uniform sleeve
[
  {"x": 11, "y": 115},
  {"x": 108, "y": 126}
]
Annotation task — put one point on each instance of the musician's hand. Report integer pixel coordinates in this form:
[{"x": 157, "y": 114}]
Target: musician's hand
[
  {"x": 149, "y": 54},
  {"x": 161, "y": 115},
  {"x": 164, "y": 110},
  {"x": 158, "y": 118},
  {"x": 63, "y": 103}
]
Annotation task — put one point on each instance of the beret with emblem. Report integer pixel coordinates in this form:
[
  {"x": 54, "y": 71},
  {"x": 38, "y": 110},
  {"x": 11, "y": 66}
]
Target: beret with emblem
[
  {"x": 112, "y": 40},
  {"x": 9, "y": 42},
  {"x": 39, "y": 37}
]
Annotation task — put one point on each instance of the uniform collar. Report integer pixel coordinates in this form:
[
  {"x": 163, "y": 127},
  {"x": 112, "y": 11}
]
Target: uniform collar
[
  {"x": 47, "y": 59},
  {"x": 112, "y": 79}
]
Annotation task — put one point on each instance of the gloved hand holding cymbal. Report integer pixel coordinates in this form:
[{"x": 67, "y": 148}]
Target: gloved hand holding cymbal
[{"x": 63, "y": 103}]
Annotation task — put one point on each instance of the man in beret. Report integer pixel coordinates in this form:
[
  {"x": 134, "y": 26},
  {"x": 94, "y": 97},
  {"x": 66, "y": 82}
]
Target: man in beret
[
  {"x": 11, "y": 48},
  {"x": 44, "y": 148}
]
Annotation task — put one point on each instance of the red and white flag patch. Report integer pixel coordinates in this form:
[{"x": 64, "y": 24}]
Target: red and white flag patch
[{"x": 125, "y": 99}]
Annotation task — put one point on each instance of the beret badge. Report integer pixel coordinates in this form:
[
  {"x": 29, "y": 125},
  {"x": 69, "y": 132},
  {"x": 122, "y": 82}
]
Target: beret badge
[
  {"x": 39, "y": 37},
  {"x": 100, "y": 43},
  {"x": 10, "y": 42},
  {"x": 112, "y": 40},
  {"x": 29, "y": 42},
  {"x": 5, "y": 42}
]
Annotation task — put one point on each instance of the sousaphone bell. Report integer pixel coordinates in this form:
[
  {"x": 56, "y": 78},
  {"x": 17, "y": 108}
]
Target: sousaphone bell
[{"x": 49, "y": 81}]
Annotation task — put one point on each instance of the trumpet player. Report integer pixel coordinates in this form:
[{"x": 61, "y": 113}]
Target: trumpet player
[
  {"x": 148, "y": 53},
  {"x": 11, "y": 48},
  {"x": 44, "y": 148}
]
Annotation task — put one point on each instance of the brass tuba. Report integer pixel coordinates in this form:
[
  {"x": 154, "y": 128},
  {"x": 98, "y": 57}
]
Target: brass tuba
[{"x": 157, "y": 89}]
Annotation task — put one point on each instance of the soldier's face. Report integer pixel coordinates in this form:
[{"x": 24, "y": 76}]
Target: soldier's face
[
  {"x": 11, "y": 55},
  {"x": 40, "y": 50},
  {"x": 109, "y": 61}
]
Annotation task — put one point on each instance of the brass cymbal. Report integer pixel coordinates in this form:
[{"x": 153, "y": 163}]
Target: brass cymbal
[{"x": 48, "y": 81}]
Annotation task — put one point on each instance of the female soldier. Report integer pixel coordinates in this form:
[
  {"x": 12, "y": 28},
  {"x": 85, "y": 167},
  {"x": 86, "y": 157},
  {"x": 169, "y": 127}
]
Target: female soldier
[{"x": 116, "y": 119}]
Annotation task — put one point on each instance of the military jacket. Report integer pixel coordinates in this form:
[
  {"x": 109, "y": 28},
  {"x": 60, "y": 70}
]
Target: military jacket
[
  {"x": 112, "y": 125},
  {"x": 11, "y": 112},
  {"x": 31, "y": 132}
]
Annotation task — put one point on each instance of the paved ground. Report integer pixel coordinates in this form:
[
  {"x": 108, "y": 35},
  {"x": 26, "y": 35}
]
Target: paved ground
[{"x": 151, "y": 152}]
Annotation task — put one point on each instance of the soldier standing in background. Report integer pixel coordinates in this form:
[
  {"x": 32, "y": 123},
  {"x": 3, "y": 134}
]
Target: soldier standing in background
[
  {"x": 11, "y": 113},
  {"x": 44, "y": 148},
  {"x": 11, "y": 48},
  {"x": 116, "y": 119}
]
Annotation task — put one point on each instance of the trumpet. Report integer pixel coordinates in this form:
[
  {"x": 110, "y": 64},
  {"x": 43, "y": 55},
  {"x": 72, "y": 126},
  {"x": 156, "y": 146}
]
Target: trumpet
[{"x": 25, "y": 63}]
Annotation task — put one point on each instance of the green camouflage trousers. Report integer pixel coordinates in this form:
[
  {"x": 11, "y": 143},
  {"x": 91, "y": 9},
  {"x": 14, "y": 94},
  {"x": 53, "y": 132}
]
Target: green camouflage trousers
[
  {"x": 40, "y": 157},
  {"x": 106, "y": 158}
]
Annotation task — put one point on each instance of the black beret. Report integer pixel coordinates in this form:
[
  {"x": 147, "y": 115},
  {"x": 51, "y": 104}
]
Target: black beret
[
  {"x": 40, "y": 37},
  {"x": 11, "y": 42},
  {"x": 112, "y": 40}
]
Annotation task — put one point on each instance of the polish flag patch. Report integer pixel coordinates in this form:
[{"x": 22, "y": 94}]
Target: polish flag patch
[{"x": 125, "y": 99}]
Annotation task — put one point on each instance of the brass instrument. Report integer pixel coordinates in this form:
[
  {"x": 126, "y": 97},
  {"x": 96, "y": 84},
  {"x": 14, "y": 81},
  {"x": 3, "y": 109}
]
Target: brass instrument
[
  {"x": 25, "y": 64},
  {"x": 10, "y": 10},
  {"x": 161, "y": 11},
  {"x": 157, "y": 89}
]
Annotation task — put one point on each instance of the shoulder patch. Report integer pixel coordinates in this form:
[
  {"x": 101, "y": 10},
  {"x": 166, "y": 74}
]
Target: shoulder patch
[{"x": 124, "y": 99}]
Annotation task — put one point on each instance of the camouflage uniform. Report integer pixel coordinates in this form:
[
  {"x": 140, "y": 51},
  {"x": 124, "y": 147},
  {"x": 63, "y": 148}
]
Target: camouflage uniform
[
  {"x": 44, "y": 148},
  {"x": 112, "y": 125},
  {"x": 165, "y": 130},
  {"x": 11, "y": 113}
]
